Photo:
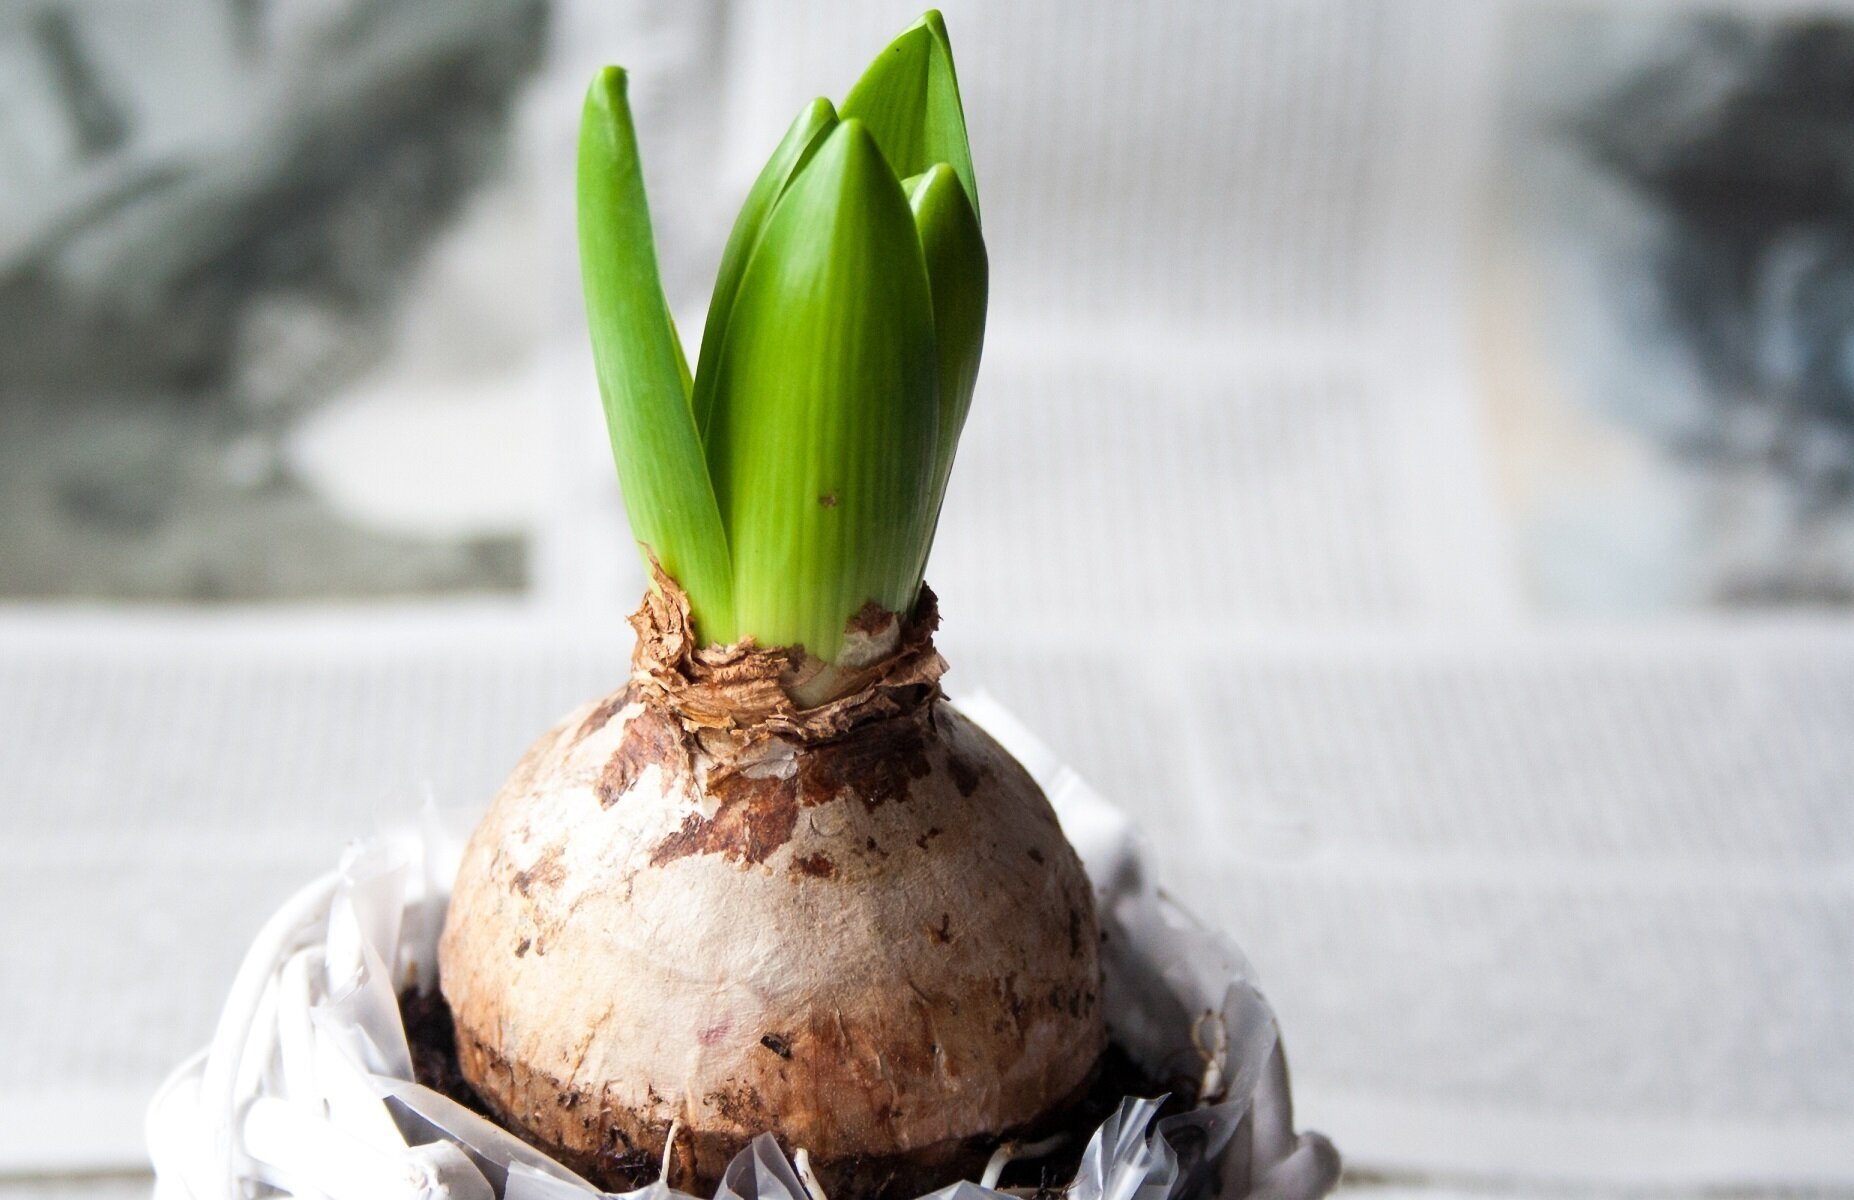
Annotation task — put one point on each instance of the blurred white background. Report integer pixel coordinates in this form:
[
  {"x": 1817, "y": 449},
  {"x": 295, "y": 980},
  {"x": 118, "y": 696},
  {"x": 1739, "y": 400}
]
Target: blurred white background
[{"x": 1316, "y": 503}]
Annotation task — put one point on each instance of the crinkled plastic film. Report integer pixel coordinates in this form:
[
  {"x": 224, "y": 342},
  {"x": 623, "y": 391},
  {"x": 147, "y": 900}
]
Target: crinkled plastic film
[{"x": 307, "y": 1089}]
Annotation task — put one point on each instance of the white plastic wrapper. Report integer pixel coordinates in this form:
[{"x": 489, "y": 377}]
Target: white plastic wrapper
[{"x": 307, "y": 1089}]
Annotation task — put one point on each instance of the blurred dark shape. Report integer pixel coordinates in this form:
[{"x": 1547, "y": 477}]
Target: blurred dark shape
[
  {"x": 99, "y": 121},
  {"x": 1740, "y": 133},
  {"x": 361, "y": 152},
  {"x": 213, "y": 256}
]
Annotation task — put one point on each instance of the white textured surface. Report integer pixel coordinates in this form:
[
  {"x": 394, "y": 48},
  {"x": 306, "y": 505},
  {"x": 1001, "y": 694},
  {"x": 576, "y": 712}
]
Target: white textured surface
[
  {"x": 132, "y": 1185},
  {"x": 1572, "y": 899}
]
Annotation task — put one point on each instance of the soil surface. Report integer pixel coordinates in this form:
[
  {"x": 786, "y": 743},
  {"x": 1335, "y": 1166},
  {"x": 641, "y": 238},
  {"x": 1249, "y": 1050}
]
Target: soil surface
[{"x": 433, "y": 1042}]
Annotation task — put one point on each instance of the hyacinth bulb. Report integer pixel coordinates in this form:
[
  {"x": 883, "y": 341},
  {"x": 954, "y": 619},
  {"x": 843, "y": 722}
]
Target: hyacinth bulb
[{"x": 776, "y": 882}]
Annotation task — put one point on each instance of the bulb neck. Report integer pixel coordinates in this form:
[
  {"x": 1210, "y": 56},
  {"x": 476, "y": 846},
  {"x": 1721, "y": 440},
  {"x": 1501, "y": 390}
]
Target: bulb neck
[{"x": 740, "y": 695}]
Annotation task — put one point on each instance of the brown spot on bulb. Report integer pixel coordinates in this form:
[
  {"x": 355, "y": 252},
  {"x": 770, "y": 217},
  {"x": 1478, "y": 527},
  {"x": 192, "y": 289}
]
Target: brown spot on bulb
[
  {"x": 601, "y": 716},
  {"x": 754, "y": 818},
  {"x": 876, "y": 766},
  {"x": 966, "y": 777},
  {"x": 653, "y": 737},
  {"x": 818, "y": 866},
  {"x": 546, "y": 872}
]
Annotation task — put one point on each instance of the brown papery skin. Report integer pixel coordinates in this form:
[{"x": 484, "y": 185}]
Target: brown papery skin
[{"x": 865, "y": 934}]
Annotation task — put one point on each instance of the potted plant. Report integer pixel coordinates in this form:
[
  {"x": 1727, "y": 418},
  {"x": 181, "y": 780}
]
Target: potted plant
[
  {"x": 775, "y": 882},
  {"x": 774, "y": 894}
]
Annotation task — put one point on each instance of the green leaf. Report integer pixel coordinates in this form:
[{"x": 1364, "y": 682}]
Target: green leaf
[
  {"x": 794, "y": 151},
  {"x": 642, "y": 373},
  {"x": 910, "y": 98},
  {"x": 682, "y": 360},
  {"x": 822, "y": 438},
  {"x": 957, "y": 274}
]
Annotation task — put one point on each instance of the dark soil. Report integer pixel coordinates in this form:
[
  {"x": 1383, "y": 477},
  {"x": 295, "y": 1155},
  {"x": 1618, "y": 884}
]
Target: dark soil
[
  {"x": 434, "y": 1063},
  {"x": 433, "y": 1040}
]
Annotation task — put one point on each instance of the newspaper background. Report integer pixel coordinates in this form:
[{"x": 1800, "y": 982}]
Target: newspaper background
[{"x": 1542, "y": 902}]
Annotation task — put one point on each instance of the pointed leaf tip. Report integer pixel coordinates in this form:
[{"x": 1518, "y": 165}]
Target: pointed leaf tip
[
  {"x": 794, "y": 151},
  {"x": 607, "y": 95},
  {"x": 824, "y": 427},
  {"x": 855, "y": 145},
  {"x": 958, "y": 275},
  {"x": 910, "y": 97},
  {"x": 641, "y": 373}
]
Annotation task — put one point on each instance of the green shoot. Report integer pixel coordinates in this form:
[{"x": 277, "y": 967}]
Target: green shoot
[
  {"x": 798, "y": 477},
  {"x": 823, "y": 436},
  {"x": 641, "y": 368}
]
